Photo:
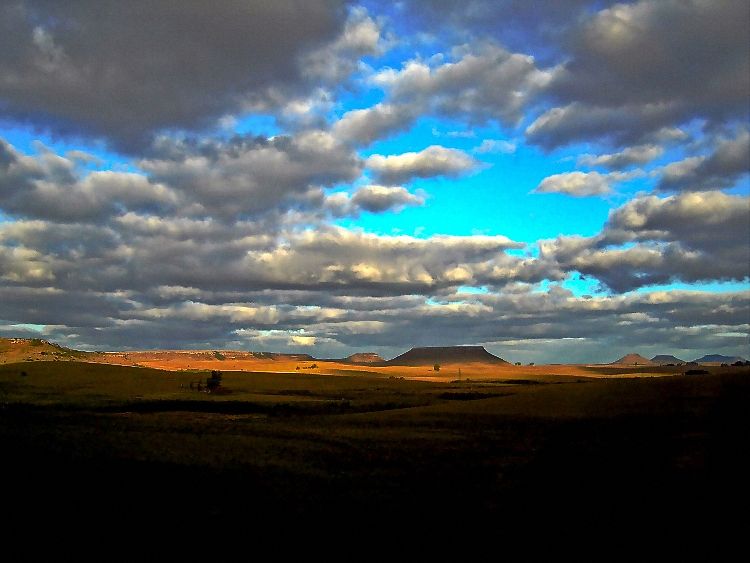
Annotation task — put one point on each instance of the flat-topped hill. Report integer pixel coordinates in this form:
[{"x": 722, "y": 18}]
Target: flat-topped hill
[
  {"x": 718, "y": 359},
  {"x": 445, "y": 355},
  {"x": 665, "y": 359}
]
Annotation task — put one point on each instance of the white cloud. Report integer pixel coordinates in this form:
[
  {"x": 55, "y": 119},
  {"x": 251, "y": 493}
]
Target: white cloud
[
  {"x": 432, "y": 161},
  {"x": 496, "y": 146},
  {"x": 640, "y": 154},
  {"x": 578, "y": 184}
]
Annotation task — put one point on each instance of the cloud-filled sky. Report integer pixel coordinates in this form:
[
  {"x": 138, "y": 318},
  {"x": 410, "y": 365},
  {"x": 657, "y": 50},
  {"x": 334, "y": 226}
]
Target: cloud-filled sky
[{"x": 559, "y": 182}]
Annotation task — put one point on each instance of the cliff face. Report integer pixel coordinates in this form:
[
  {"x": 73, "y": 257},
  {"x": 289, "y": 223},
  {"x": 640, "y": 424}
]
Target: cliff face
[{"x": 445, "y": 355}]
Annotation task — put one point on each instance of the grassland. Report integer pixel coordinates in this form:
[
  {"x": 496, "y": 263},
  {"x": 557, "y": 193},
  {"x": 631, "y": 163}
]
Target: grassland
[{"x": 114, "y": 443}]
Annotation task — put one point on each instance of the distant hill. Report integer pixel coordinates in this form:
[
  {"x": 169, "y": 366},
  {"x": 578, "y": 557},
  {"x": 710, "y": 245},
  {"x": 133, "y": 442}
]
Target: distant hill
[
  {"x": 363, "y": 358},
  {"x": 634, "y": 360},
  {"x": 718, "y": 359},
  {"x": 445, "y": 355},
  {"x": 35, "y": 349},
  {"x": 283, "y": 357},
  {"x": 664, "y": 359}
]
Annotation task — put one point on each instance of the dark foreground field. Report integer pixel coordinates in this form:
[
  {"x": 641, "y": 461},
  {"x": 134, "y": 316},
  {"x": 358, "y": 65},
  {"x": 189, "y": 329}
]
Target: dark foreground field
[{"x": 103, "y": 446}]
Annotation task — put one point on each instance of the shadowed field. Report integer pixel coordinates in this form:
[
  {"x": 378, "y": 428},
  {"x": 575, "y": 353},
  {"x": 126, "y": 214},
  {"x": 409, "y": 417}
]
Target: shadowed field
[{"x": 113, "y": 443}]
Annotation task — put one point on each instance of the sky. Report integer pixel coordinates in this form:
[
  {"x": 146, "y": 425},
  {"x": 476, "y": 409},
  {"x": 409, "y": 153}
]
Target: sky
[{"x": 556, "y": 181}]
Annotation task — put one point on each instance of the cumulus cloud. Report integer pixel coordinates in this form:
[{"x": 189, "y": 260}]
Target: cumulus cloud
[
  {"x": 729, "y": 161},
  {"x": 64, "y": 66},
  {"x": 336, "y": 61},
  {"x": 640, "y": 154},
  {"x": 377, "y": 199},
  {"x": 484, "y": 82},
  {"x": 691, "y": 237},
  {"x": 252, "y": 175},
  {"x": 363, "y": 126},
  {"x": 50, "y": 186},
  {"x": 578, "y": 184},
  {"x": 692, "y": 62},
  {"x": 522, "y": 323},
  {"x": 372, "y": 198},
  {"x": 432, "y": 161},
  {"x": 522, "y": 25},
  {"x": 620, "y": 124}
]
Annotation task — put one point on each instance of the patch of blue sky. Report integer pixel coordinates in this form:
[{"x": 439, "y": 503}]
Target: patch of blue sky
[
  {"x": 741, "y": 186},
  {"x": 357, "y": 96},
  {"x": 711, "y": 287},
  {"x": 31, "y": 327},
  {"x": 496, "y": 199},
  {"x": 581, "y": 286},
  {"x": 255, "y": 124},
  {"x": 27, "y": 140},
  {"x": 472, "y": 290}
]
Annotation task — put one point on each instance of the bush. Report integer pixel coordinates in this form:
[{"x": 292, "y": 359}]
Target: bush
[{"x": 436, "y": 367}]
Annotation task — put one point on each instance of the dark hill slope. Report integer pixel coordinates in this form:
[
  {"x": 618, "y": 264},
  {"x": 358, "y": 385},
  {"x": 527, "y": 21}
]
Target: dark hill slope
[
  {"x": 633, "y": 360},
  {"x": 664, "y": 359},
  {"x": 445, "y": 355},
  {"x": 718, "y": 359}
]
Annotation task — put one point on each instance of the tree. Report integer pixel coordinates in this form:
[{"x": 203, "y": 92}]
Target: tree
[
  {"x": 436, "y": 367},
  {"x": 213, "y": 382}
]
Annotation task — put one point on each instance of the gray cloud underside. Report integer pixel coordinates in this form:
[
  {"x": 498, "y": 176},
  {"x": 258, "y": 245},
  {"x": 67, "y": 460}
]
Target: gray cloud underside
[
  {"x": 691, "y": 237},
  {"x": 478, "y": 84},
  {"x": 636, "y": 155},
  {"x": 222, "y": 279},
  {"x": 692, "y": 63},
  {"x": 519, "y": 323},
  {"x": 124, "y": 70},
  {"x": 239, "y": 177},
  {"x": 215, "y": 243},
  {"x": 729, "y": 160}
]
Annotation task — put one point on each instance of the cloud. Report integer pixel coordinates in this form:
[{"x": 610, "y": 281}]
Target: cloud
[
  {"x": 640, "y": 154},
  {"x": 335, "y": 62},
  {"x": 524, "y": 26},
  {"x": 578, "y": 184},
  {"x": 692, "y": 62},
  {"x": 363, "y": 126},
  {"x": 252, "y": 175},
  {"x": 520, "y": 323},
  {"x": 372, "y": 198},
  {"x": 126, "y": 70},
  {"x": 484, "y": 82},
  {"x": 377, "y": 199},
  {"x": 623, "y": 124},
  {"x": 495, "y": 146},
  {"x": 50, "y": 186},
  {"x": 136, "y": 253},
  {"x": 728, "y": 162},
  {"x": 430, "y": 162},
  {"x": 690, "y": 237}
]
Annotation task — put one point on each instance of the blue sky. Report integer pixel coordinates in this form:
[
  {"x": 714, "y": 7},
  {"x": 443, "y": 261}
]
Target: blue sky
[{"x": 332, "y": 177}]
